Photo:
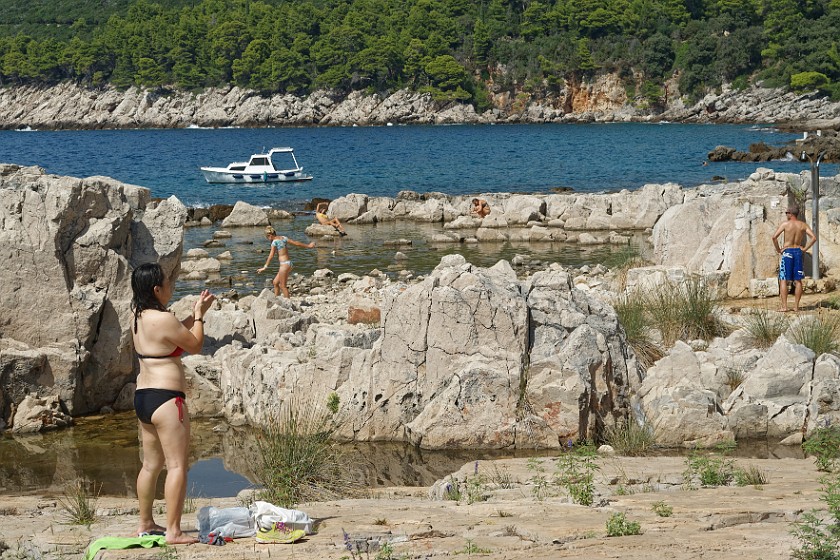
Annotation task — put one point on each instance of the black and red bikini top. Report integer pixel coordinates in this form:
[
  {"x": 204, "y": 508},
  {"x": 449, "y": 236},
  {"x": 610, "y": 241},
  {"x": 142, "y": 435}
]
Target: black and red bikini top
[{"x": 174, "y": 354}]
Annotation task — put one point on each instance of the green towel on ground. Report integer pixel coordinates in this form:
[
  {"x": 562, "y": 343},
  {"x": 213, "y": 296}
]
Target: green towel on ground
[{"x": 119, "y": 543}]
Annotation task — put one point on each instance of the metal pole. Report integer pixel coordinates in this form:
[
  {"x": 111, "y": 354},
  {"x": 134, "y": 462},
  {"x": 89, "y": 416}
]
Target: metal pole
[{"x": 815, "y": 212}]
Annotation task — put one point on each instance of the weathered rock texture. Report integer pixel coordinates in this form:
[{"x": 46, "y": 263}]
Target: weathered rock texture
[
  {"x": 603, "y": 99},
  {"x": 468, "y": 357},
  {"x": 68, "y": 246},
  {"x": 728, "y": 228},
  {"x": 733, "y": 390}
]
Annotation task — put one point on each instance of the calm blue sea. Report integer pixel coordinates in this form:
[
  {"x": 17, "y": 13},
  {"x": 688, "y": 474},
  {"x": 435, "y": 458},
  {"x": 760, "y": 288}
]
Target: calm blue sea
[{"x": 387, "y": 159}]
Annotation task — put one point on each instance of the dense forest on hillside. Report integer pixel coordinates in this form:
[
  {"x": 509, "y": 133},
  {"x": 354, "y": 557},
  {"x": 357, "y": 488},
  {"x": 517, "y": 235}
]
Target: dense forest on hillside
[{"x": 452, "y": 48}]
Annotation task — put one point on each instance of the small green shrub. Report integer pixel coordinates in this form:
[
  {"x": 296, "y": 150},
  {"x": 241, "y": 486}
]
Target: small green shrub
[
  {"x": 538, "y": 480},
  {"x": 619, "y": 526},
  {"x": 808, "y": 81},
  {"x": 820, "y": 540},
  {"x": 78, "y": 502},
  {"x": 765, "y": 327},
  {"x": 452, "y": 490},
  {"x": 630, "y": 438},
  {"x": 709, "y": 471},
  {"x": 824, "y": 445},
  {"x": 333, "y": 403},
  {"x": 476, "y": 489},
  {"x": 818, "y": 332},
  {"x": 385, "y": 552},
  {"x": 471, "y": 548},
  {"x": 662, "y": 509},
  {"x": 576, "y": 472}
]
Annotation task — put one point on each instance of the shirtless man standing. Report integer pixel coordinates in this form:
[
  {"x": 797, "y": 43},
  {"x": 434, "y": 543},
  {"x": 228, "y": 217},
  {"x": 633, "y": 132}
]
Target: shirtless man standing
[{"x": 790, "y": 264}]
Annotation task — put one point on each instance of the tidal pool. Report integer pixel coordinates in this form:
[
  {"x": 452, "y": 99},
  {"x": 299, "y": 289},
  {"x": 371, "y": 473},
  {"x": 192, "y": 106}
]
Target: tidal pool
[
  {"x": 105, "y": 450},
  {"x": 369, "y": 247}
]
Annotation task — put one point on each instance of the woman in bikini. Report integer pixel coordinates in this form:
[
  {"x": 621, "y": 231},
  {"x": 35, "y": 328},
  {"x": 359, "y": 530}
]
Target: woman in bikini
[
  {"x": 323, "y": 219},
  {"x": 159, "y": 399},
  {"x": 278, "y": 245}
]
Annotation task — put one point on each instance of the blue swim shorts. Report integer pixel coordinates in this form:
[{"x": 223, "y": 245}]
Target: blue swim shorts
[{"x": 790, "y": 265}]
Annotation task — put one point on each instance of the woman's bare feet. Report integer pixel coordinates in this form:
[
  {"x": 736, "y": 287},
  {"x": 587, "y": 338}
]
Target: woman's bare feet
[{"x": 180, "y": 538}]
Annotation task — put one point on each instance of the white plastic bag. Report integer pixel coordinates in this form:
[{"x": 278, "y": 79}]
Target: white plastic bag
[
  {"x": 265, "y": 514},
  {"x": 232, "y": 522}
]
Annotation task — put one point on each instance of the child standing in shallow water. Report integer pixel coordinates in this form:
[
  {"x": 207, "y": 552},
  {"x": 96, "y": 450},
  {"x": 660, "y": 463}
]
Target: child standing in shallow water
[{"x": 278, "y": 245}]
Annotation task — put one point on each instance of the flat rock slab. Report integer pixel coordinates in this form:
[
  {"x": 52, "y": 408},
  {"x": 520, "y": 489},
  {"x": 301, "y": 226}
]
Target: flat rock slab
[{"x": 722, "y": 523}]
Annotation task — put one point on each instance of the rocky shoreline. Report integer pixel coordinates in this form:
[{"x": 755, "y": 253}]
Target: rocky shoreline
[
  {"x": 69, "y": 106},
  {"x": 442, "y": 361}
]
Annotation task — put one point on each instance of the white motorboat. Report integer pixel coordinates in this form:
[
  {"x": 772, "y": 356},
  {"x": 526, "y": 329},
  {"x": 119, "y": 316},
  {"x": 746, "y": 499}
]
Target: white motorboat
[{"x": 259, "y": 169}]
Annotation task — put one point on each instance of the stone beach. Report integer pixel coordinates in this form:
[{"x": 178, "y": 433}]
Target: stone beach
[{"x": 728, "y": 523}]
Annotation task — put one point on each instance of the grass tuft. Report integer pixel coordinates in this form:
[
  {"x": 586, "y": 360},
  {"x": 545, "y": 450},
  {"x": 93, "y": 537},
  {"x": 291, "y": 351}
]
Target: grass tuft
[
  {"x": 678, "y": 311},
  {"x": 765, "y": 327},
  {"x": 78, "y": 502},
  {"x": 619, "y": 526},
  {"x": 630, "y": 438},
  {"x": 818, "y": 332},
  {"x": 685, "y": 311},
  {"x": 752, "y": 476},
  {"x": 633, "y": 316},
  {"x": 298, "y": 459}
]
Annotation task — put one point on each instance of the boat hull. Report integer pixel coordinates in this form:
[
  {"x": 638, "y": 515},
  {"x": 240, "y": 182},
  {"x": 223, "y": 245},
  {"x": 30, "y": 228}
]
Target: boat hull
[{"x": 225, "y": 176}]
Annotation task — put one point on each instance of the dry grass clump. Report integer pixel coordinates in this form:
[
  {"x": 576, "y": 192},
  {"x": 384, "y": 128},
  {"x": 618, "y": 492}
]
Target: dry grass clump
[
  {"x": 632, "y": 314},
  {"x": 765, "y": 327},
  {"x": 685, "y": 311},
  {"x": 630, "y": 438},
  {"x": 675, "y": 311},
  {"x": 78, "y": 503},
  {"x": 819, "y": 332},
  {"x": 299, "y": 461}
]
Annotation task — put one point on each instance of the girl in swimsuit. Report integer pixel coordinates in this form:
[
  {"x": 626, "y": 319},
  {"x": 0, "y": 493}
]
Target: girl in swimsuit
[
  {"x": 323, "y": 219},
  {"x": 159, "y": 400},
  {"x": 278, "y": 245}
]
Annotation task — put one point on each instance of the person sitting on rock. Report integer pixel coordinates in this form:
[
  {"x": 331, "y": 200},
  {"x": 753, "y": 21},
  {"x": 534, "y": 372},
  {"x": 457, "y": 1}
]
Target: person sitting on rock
[
  {"x": 323, "y": 219},
  {"x": 479, "y": 208}
]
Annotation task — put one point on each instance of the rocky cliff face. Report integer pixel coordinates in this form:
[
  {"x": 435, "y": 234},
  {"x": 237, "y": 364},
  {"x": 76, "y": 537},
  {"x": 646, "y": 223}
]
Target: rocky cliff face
[
  {"x": 68, "y": 106},
  {"x": 68, "y": 246}
]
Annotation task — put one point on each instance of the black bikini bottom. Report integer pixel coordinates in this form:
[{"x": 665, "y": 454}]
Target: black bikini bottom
[{"x": 147, "y": 401}]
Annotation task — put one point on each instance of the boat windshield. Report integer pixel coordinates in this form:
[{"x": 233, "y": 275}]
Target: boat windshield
[
  {"x": 284, "y": 160},
  {"x": 259, "y": 160}
]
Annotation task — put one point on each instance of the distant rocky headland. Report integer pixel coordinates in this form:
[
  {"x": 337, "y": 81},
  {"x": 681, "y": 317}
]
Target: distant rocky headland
[{"x": 70, "y": 106}]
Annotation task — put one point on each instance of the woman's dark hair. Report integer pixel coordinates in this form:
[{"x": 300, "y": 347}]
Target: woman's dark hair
[{"x": 144, "y": 278}]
